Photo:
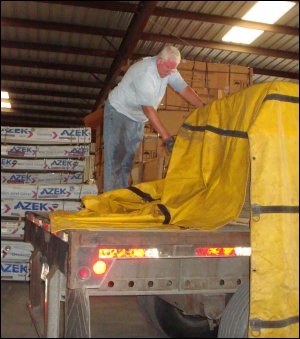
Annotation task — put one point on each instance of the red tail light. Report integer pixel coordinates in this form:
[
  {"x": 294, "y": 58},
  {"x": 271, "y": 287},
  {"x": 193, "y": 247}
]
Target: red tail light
[
  {"x": 222, "y": 251},
  {"x": 84, "y": 273}
]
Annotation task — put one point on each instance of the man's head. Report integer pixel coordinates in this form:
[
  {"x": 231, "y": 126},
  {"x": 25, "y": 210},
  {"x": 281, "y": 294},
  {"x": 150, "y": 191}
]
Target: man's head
[{"x": 167, "y": 61}]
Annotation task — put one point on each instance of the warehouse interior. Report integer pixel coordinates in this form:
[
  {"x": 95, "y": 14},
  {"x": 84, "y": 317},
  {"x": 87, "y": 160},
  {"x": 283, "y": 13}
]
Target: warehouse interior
[{"x": 60, "y": 60}]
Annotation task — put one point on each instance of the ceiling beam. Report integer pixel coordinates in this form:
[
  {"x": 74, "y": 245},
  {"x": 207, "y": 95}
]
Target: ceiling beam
[
  {"x": 57, "y": 49},
  {"x": 56, "y": 66},
  {"x": 50, "y": 103},
  {"x": 224, "y": 20},
  {"x": 220, "y": 46},
  {"x": 37, "y": 122},
  {"x": 149, "y": 37},
  {"x": 46, "y": 92},
  {"x": 127, "y": 47},
  {"x": 62, "y": 27},
  {"x": 49, "y": 80},
  {"x": 275, "y": 73},
  {"x": 62, "y": 49},
  {"x": 179, "y": 14},
  {"x": 107, "y": 5},
  {"x": 44, "y": 113},
  {"x": 65, "y": 67},
  {"x": 68, "y": 67}
]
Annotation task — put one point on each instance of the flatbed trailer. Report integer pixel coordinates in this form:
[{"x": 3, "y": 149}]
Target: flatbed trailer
[{"x": 192, "y": 272}]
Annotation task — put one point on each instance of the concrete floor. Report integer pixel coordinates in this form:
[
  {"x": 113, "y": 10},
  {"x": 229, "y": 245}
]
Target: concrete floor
[{"x": 111, "y": 317}]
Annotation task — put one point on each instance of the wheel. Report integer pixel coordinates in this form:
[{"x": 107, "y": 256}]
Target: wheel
[
  {"x": 171, "y": 322},
  {"x": 235, "y": 318}
]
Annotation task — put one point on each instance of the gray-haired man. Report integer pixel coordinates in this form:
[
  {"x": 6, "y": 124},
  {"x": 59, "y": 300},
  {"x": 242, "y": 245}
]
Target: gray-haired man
[{"x": 133, "y": 102}]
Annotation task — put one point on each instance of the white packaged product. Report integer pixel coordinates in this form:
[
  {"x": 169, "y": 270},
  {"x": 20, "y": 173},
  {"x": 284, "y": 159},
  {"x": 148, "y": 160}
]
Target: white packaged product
[
  {"x": 42, "y": 135},
  {"x": 42, "y": 164},
  {"x": 41, "y": 178},
  {"x": 17, "y": 208},
  {"x": 38, "y": 151},
  {"x": 12, "y": 229},
  {"x": 17, "y": 251},
  {"x": 59, "y": 191},
  {"x": 15, "y": 271}
]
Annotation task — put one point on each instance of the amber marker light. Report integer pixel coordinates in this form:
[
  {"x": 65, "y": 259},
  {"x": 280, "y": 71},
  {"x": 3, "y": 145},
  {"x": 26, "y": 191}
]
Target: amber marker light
[{"x": 99, "y": 267}]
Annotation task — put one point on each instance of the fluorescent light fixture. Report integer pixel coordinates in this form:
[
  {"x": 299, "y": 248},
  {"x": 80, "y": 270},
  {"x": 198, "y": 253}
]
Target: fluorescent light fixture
[
  {"x": 5, "y": 105},
  {"x": 263, "y": 11},
  {"x": 4, "y": 95},
  {"x": 268, "y": 12},
  {"x": 242, "y": 35}
]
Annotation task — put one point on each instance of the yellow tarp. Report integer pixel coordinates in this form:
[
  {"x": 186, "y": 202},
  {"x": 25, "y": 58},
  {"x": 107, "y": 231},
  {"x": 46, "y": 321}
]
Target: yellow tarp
[{"x": 205, "y": 188}]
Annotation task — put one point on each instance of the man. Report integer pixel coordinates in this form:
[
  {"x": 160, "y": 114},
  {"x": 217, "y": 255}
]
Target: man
[{"x": 134, "y": 101}]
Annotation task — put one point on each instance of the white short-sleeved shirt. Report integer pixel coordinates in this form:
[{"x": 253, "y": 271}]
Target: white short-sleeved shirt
[{"x": 142, "y": 86}]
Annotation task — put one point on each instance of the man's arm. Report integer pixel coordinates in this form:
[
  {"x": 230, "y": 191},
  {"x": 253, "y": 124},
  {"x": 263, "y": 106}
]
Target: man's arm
[
  {"x": 151, "y": 114},
  {"x": 190, "y": 96}
]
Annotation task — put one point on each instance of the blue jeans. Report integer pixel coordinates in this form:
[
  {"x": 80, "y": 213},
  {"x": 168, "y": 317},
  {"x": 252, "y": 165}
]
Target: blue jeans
[{"x": 121, "y": 137}]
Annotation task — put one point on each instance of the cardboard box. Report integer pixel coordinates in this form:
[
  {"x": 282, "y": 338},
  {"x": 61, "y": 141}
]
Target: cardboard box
[
  {"x": 172, "y": 120},
  {"x": 186, "y": 65},
  {"x": 94, "y": 119},
  {"x": 153, "y": 169},
  {"x": 175, "y": 101},
  {"x": 239, "y": 82},
  {"x": 136, "y": 174},
  {"x": 207, "y": 95},
  {"x": 150, "y": 146}
]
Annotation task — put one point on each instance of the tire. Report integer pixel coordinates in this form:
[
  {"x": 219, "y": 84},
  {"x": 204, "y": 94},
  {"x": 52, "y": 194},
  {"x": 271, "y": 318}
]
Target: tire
[
  {"x": 235, "y": 318},
  {"x": 170, "y": 322}
]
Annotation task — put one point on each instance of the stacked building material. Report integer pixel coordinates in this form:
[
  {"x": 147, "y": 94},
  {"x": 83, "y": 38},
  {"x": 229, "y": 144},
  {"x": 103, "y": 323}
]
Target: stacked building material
[{"x": 42, "y": 169}]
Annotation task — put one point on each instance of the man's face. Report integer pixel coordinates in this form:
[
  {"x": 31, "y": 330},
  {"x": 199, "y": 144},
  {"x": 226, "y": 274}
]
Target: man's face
[{"x": 167, "y": 67}]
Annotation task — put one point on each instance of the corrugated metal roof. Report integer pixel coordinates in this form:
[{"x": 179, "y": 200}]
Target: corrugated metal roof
[{"x": 94, "y": 68}]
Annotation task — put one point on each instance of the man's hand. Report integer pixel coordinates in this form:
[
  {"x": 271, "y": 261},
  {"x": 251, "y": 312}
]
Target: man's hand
[{"x": 169, "y": 143}]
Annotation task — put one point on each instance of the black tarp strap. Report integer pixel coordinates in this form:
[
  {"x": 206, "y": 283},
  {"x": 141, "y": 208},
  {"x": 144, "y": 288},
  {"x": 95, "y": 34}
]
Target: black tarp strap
[
  {"x": 259, "y": 324},
  {"x": 224, "y": 132},
  {"x": 281, "y": 97},
  {"x": 165, "y": 212},
  {"x": 145, "y": 196}
]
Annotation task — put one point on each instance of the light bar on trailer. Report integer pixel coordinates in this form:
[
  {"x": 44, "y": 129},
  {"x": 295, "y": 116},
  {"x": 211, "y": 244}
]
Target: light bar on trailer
[{"x": 173, "y": 251}]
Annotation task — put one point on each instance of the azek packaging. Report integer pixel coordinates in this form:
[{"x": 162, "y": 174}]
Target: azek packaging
[
  {"x": 19, "y": 207},
  {"x": 17, "y": 251},
  {"x": 16, "y": 271},
  {"x": 41, "y": 178},
  {"x": 42, "y": 164},
  {"x": 47, "y": 191},
  {"x": 31, "y": 135},
  {"x": 37, "y": 151},
  {"x": 12, "y": 229}
]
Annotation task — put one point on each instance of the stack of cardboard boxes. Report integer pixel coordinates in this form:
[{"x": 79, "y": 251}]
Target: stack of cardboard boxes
[{"x": 211, "y": 81}]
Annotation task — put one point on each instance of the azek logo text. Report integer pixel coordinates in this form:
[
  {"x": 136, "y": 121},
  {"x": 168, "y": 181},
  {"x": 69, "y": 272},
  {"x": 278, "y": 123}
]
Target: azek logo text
[
  {"x": 75, "y": 133},
  {"x": 13, "y": 268},
  {"x": 35, "y": 206}
]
